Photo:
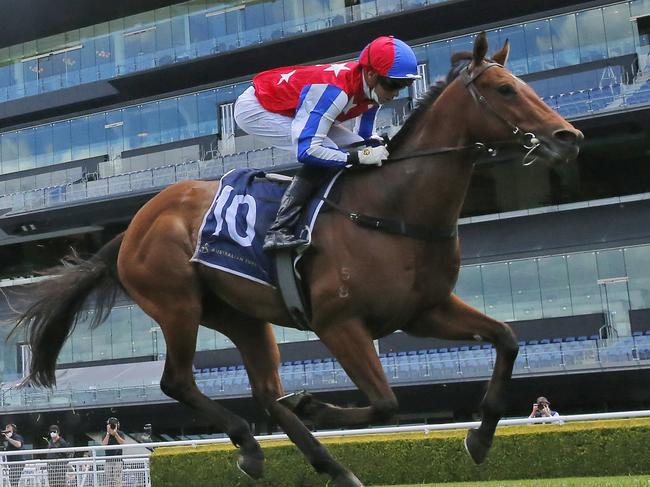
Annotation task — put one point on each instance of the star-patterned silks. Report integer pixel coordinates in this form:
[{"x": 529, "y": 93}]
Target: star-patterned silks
[
  {"x": 285, "y": 77},
  {"x": 337, "y": 68}
]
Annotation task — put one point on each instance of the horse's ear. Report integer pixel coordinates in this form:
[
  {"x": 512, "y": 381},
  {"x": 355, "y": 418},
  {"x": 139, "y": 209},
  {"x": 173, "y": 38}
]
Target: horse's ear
[
  {"x": 480, "y": 49},
  {"x": 501, "y": 56}
]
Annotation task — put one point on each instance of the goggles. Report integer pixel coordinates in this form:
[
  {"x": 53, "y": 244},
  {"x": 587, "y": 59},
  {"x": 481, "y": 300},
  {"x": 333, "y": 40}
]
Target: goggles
[{"x": 394, "y": 84}]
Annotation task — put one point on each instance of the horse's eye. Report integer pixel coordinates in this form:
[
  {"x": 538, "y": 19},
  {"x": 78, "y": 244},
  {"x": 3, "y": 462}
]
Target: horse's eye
[{"x": 506, "y": 90}]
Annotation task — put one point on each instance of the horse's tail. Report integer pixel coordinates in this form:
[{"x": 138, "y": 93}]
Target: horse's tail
[{"x": 59, "y": 303}]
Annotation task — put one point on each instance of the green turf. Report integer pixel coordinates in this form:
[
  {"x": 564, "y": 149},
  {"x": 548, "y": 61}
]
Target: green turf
[{"x": 633, "y": 481}]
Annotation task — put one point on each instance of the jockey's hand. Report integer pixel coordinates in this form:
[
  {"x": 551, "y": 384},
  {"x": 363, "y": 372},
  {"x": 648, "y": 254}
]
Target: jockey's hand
[{"x": 369, "y": 156}]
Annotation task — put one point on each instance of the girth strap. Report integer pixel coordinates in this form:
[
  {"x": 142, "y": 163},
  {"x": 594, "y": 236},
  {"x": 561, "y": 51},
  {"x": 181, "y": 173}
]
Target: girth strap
[{"x": 396, "y": 227}]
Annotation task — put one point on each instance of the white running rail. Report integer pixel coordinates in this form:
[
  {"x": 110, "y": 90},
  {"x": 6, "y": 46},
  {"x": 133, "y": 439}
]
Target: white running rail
[{"x": 89, "y": 466}]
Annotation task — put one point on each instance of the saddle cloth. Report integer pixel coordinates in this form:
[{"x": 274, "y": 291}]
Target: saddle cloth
[{"x": 233, "y": 229}]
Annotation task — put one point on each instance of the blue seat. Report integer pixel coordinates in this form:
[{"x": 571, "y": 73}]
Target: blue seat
[
  {"x": 556, "y": 340},
  {"x": 533, "y": 342},
  {"x": 544, "y": 341},
  {"x": 569, "y": 339},
  {"x": 582, "y": 338}
]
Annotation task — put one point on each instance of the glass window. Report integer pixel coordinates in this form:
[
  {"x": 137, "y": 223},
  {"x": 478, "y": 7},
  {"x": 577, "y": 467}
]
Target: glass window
[
  {"x": 639, "y": 7},
  {"x": 564, "y": 32},
  {"x": 216, "y": 24},
  {"x": 141, "y": 326},
  {"x": 114, "y": 128},
  {"x": 65, "y": 357},
  {"x": 71, "y": 73},
  {"x": 464, "y": 43},
  {"x": 61, "y": 142},
  {"x": 27, "y": 149},
  {"x": 538, "y": 46},
  {"x": 120, "y": 323},
  {"x": 637, "y": 260},
  {"x": 133, "y": 131},
  {"x": 82, "y": 344},
  {"x": 200, "y": 38},
  {"x": 9, "y": 142},
  {"x": 525, "y": 290},
  {"x": 554, "y": 281},
  {"x": 188, "y": 116},
  {"x": 150, "y": 124},
  {"x": 206, "y": 339},
  {"x": 169, "y": 130},
  {"x": 97, "y": 135},
  {"x": 518, "y": 56},
  {"x": 611, "y": 264},
  {"x": 439, "y": 55},
  {"x": 102, "y": 342},
  {"x": 591, "y": 35},
  {"x": 583, "y": 277},
  {"x": 207, "y": 112},
  {"x": 79, "y": 136},
  {"x": 470, "y": 287},
  {"x": 618, "y": 30},
  {"x": 88, "y": 57},
  {"x": 44, "y": 145},
  {"x": 179, "y": 31},
  {"x": 497, "y": 291},
  {"x": 165, "y": 52},
  {"x": 105, "y": 57}
]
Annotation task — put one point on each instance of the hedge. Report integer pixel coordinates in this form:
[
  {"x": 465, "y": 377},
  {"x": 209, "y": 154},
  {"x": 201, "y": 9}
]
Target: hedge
[{"x": 597, "y": 448}]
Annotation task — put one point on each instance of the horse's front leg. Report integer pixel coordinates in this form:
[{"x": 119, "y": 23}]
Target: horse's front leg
[
  {"x": 351, "y": 344},
  {"x": 455, "y": 320}
]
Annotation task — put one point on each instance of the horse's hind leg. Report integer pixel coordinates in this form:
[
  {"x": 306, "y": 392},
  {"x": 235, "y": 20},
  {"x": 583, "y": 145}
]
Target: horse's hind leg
[
  {"x": 178, "y": 315},
  {"x": 256, "y": 343},
  {"x": 455, "y": 320}
]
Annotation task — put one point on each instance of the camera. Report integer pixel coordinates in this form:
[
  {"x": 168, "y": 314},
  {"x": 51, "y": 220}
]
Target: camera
[{"x": 112, "y": 423}]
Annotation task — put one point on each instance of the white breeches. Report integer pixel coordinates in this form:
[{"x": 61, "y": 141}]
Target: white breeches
[{"x": 275, "y": 129}]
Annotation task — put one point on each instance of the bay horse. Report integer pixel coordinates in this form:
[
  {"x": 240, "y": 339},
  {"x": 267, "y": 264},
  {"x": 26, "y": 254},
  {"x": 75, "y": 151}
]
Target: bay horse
[{"x": 363, "y": 284}]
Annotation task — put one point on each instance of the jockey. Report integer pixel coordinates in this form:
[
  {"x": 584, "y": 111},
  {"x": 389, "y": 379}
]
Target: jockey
[{"x": 299, "y": 108}]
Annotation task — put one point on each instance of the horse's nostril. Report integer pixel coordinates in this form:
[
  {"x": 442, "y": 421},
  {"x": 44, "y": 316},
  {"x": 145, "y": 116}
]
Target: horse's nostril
[{"x": 568, "y": 136}]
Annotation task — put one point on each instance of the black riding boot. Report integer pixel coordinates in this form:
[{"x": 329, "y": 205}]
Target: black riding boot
[{"x": 280, "y": 235}]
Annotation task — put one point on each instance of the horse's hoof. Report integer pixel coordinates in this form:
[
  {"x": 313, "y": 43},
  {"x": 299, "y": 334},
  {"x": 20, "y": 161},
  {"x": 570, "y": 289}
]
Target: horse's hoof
[
  {"x": 251, "y": 465},
  {"x": 476, "y": 447},
  {"x": 347, "y": 479}
]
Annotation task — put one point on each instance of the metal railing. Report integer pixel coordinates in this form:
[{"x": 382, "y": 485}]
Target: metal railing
[{"x": 89, "y": 467}]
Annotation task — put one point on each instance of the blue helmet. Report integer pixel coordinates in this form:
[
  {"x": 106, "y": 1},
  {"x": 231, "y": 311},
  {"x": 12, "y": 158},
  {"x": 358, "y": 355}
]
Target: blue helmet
[{"x": 391, "y": 58}]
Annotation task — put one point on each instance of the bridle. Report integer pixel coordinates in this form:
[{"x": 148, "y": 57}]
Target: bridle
[{"x": 528, "y": 140}]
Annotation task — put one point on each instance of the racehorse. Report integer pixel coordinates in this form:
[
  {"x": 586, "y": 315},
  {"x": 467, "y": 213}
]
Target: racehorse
[{"x": 363, "y": 284}]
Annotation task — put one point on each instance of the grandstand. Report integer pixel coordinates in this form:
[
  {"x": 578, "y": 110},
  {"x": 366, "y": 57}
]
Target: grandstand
[{"x": 102, "y": 108}]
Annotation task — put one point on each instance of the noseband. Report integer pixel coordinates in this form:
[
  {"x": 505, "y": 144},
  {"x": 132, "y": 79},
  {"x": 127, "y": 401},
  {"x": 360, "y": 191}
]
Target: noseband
[{"x": 527, "y": 140}]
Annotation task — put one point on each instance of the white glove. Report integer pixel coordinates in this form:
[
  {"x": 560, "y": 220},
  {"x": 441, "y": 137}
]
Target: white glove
[{"x": 372, "y": 156}]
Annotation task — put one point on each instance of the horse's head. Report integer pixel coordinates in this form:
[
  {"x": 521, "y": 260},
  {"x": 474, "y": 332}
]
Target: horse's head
[{"x": 506, "y": 109}]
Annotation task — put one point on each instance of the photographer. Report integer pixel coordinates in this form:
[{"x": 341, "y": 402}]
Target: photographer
[
  {"x": 56, "y": 469},
  {"x": 113, "y": 468},
  {"x": 542, "y": 409},
  {"x": 13, "y": 442}
]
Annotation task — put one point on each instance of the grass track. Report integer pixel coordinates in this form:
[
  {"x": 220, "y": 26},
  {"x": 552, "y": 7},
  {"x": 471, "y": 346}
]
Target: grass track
[{"x": 633, "y": 481}]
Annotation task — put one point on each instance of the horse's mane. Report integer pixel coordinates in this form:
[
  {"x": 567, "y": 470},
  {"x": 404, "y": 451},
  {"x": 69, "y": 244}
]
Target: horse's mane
[{"x": 458, "y": 61}]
